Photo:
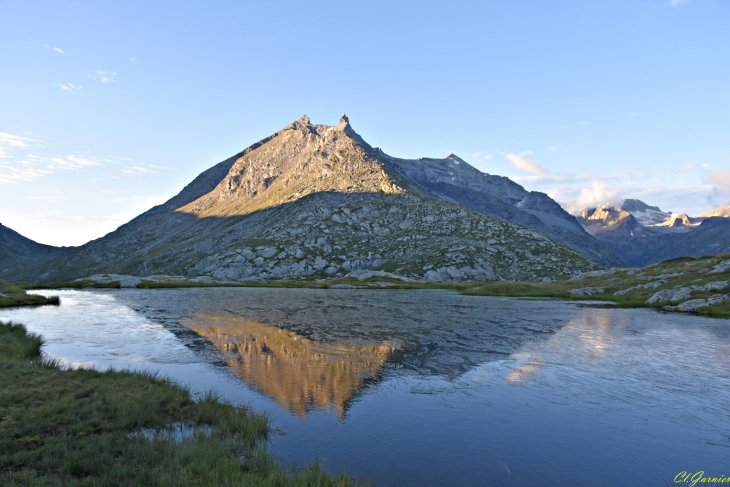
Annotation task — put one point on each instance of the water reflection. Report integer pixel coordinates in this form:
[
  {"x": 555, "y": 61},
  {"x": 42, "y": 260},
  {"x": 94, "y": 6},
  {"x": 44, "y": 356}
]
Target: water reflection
[
  {"x": 298, "y": 373},
  {"x": 523, "y": 368}
]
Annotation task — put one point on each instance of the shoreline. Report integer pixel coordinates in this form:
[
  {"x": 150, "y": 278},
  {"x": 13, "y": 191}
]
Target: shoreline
[{"x": 697, "y": 285}]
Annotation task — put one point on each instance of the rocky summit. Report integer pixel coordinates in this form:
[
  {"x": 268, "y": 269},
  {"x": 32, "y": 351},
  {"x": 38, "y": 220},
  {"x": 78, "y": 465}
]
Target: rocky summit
[{"x": 318, "y": 201}]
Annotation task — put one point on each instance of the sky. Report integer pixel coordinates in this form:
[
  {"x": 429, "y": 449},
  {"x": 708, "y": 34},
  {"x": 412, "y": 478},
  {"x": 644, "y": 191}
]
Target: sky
[{"x": 110, "y": 108}]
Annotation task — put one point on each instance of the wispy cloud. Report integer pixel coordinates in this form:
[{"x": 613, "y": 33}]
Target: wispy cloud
[
  {"x": 103, "y": 76},
  {"x": 481, "y": 156},
  {"x": 134, "y": 60},
  {"x": 10, "y": 142},
  {"x": 584, "y": 123},
  {"x": 676, "y": 3},
  {"x": 518, "y": 161},
  {"x": 137, "y": 171},
  {"x": 68, "y": 87},
  {"x": 636, "y": 114},
  {"x": 58, "y": 50},
  {"x": 17, "y": 165}
]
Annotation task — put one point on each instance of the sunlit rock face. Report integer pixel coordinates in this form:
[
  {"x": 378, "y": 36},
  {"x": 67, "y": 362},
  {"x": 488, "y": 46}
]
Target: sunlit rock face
[
  {"x": 300, "y": 374},
  {"x": 318, "y": 201}
]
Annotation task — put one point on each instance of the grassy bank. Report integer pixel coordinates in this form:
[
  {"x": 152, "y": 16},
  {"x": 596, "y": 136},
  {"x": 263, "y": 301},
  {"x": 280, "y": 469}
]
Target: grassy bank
[
  {"x": 671, "y": 274},
  {"x": 77, "y": 427},
  {"x": 11, "y": 295}
]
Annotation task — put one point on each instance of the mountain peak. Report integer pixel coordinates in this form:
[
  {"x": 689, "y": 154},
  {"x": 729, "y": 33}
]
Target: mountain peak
[
  {"x": 344, "y": 118},
  {"x": 455, "y": 158}
]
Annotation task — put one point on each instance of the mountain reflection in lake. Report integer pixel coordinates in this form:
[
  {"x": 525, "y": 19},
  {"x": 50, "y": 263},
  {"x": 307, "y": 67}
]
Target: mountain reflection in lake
[
  {"x": 300, "y": 374},
  {"x": 429, "y": 387}
]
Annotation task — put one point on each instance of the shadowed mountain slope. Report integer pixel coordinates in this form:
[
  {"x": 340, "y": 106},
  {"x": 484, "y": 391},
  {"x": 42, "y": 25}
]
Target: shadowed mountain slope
[
  {"x": 317, "y": 201},
  {"x": 452, "y": 179},
  {"x": 19, "y": 252}
]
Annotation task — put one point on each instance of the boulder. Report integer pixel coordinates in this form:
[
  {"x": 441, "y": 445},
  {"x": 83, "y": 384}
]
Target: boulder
[{"x": 664, "y": 295}]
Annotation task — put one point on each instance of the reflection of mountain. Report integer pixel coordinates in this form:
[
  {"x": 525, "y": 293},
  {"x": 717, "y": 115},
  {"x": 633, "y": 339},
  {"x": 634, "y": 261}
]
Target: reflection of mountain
[{"x": 298, "y": 373}]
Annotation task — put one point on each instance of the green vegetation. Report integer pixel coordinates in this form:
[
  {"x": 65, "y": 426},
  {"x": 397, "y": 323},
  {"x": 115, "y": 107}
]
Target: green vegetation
[
  {"x": 691, "y": 270},
  {"x": 83, "y": 427},
  {"x": 11, "y": 295}
]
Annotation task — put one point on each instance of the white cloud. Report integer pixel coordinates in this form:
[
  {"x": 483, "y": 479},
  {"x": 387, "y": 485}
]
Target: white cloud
[
  {"x": 9, "y": 142},
  {"x": 519, "y": 162},
  {"x": 57, "y": 50},
  {"x": 720, "y": 181},
  {"x": 134, "y": 60},
  {"x": 599, "y": 193},
  {"x": 69, "y": 87},
  {"x": 104, "y": 76},
  {"x": 137, "y": 171},
  {"x": 676, "y": 3},
  {"x": 17, "y": 165}
]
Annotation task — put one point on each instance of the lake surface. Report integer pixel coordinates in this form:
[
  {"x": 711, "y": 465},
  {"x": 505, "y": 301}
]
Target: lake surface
[{"x": 429, "y": 387}]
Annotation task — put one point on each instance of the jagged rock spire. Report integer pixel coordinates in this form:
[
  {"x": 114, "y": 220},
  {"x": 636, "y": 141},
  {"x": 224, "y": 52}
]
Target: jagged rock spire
[{"x": 344, "y": 118}]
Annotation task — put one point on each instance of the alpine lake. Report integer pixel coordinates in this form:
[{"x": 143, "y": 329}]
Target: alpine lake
[{"x": 428, "y": 387}]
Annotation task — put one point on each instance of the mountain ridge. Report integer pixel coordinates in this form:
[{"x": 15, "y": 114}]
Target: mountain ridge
[{"x": 317, "y": 200}]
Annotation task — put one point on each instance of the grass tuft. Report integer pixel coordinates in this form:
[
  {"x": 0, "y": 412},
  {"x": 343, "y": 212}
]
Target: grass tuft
[{"x": 12, "y": 295}]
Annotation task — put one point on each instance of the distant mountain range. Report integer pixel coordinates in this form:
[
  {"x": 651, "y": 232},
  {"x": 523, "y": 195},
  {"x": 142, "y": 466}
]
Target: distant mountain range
[
  {"x": 641, "y": 234},
  {"x": 318, "y": 201}
]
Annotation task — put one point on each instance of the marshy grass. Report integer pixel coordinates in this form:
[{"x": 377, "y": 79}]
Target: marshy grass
[
  {"x": 60, "y": 426},
  {"x": 12, "y": 295}
]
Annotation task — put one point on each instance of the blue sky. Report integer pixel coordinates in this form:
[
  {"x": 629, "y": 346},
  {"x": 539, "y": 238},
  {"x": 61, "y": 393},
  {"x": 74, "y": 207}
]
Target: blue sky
[{"x": 109, "y": 108}]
